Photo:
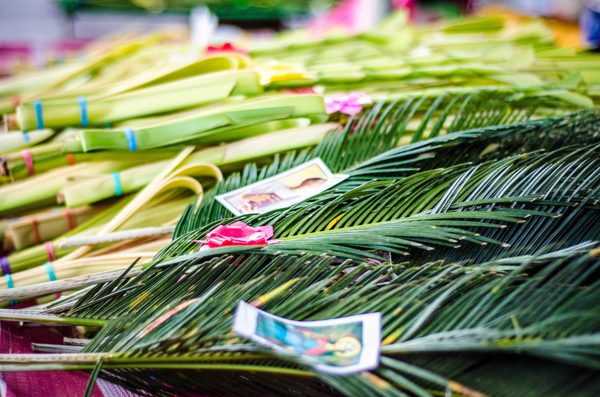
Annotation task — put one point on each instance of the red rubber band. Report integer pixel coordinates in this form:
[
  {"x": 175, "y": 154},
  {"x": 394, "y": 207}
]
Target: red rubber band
[
  {"x": 16, "y": 101},
  {"x": 28, "y": 158},
  {"x": 71, "y": 158},
  {"x": 36, "y": 233},
  {"x": 50, "y": 251},
  {"x": 69, "y": 218}
]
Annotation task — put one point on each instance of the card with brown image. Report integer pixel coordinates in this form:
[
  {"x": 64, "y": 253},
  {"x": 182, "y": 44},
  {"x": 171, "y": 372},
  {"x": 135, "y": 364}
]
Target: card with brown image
[{"x": 282, "y": 190}]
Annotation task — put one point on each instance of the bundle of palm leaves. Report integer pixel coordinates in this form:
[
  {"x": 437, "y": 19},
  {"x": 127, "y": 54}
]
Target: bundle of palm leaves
[
  {"x": 488, "y": 238},
  {"x": 468, "y": 220},
  {"x": 396, "y": 57},
  {"x": 89, "y": 135}
]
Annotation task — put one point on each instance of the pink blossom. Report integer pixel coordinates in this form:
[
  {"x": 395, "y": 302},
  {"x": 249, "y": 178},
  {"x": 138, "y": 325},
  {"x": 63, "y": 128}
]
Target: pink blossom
[{"x": 350, "y": 104}]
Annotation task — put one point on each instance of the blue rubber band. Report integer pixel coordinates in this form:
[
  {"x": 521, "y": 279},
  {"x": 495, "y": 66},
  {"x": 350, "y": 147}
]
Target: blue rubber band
[
  {"x": 50, "y": 270},
  {"x": 26, "y": 137},
  {"x": 39, "y": 115},
  {"x": 9, "y": 284},
  {"x": 130, "y": 139},
  {"x": 117, "y": 182},
  {"x": 107, "y": 125},
  {"x": 84, "y": 115}
]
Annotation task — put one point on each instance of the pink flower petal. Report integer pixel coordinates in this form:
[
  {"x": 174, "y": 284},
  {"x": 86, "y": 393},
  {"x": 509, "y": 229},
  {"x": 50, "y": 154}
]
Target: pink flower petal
[
  {"x": 267, "y": 230},
  {"x": 237, "y": 233},
  {"x": 332, "y": 108},
  {"x": 349, "y": 104},
  {"x": 351, "y": 109}
]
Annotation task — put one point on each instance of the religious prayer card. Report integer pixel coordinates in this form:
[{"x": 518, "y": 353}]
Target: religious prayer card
[
  {"x": 340, "y": 346},
  {"x": 281, "y": 190}
]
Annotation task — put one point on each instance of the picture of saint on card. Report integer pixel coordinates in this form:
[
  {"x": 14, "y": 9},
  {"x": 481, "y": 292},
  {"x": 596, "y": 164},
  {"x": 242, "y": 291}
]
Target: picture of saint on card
[
  {"x": 282, "y": 190},
  {"x": 341, "y": 345}
]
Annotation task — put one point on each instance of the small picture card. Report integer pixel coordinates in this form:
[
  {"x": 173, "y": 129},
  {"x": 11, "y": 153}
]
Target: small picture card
[
  {"x": 282, "y": 190},
  {"x": 340, "y": 346}
]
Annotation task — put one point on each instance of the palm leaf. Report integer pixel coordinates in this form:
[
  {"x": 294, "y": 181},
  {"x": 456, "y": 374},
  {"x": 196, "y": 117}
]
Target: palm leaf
[
  {"x": 461, "y": 206},
  {"x": 454, "y": 329},
  {"x": 528, "y": 186},
  {"x": 330, "y": 266},
  {"x": 380, "y": 130},
  {"x": 458, "y": 212}
]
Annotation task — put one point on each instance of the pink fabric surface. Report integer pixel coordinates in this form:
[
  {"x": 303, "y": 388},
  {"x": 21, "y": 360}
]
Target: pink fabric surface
[
  {"x": 14, "y": 339},
  {"x": 17, "y": 340}
]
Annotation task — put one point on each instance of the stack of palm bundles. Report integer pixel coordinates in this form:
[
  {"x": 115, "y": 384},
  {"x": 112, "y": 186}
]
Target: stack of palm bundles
[{"x": 467, "y": 218}]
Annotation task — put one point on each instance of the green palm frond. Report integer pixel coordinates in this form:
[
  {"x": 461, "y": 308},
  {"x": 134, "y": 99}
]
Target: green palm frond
[
  {"x": 444, "y": 326},
  {"x": 513, "y": 207},
  {"x": 398, "y": 237},
  {"x": 382, "y": 129},
  {"x": 517, "y": 206},
  {"x": 528, "y": 186},
  {"x": 482, "y": 144}
]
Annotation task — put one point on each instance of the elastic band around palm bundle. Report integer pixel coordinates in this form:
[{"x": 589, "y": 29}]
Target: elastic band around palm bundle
[
  {"x": 5, "y": 266},
  {"x": 50, "y": 271},
  {"x": 9, "y": 285},
  {"x": 28, "y": 160},
  {"x": 84, "y": 115},
  {"x": 34, "y": 230},
  {"x": 117, "y": 182},
  {"x": 69, "y": 218},
  {"x": 39, "y": 114},
  {"x": 52, "y": 276},
  {"x": 130, "y": 139},
  {"x": 50, "y": 251},
  {"x": 26, "y": 137},
  {"x": 16, "y": 101}
]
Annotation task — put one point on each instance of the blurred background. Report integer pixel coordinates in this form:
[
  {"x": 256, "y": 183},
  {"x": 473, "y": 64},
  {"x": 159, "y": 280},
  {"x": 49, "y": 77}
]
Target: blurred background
[{"x": 35, "y": 33}]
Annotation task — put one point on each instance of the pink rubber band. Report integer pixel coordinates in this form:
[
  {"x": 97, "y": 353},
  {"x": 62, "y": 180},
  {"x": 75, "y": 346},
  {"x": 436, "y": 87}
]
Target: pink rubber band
[
  {"x": 50, "y": 251},
  {"x": 28, "y": 158}
]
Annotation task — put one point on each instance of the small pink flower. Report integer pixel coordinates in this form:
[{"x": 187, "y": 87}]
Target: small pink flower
[
  {"x": 349, "y": 104},
  {"x": 237, "y": 233}
]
